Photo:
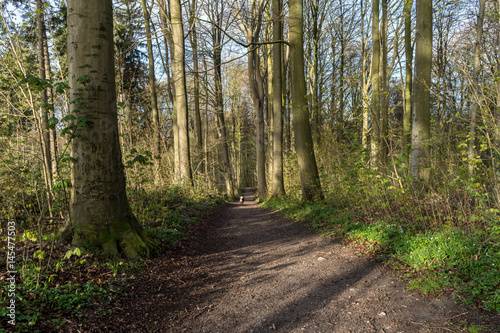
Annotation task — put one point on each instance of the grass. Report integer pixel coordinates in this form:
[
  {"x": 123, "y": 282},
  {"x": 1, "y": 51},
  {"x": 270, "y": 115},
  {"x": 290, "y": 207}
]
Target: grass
[{"x": 441, "y": 260}]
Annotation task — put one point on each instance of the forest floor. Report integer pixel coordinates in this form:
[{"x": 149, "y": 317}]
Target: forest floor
[{"x": 247, "y": 269}]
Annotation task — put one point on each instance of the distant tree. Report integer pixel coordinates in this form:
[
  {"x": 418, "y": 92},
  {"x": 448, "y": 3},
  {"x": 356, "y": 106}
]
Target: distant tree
[
  {"x": 193, "y": 38},
  {"x": 100, "y": 213},
  {"x": 475, "y": 83},
  {"x": 252, "y": 28},
  {"x": 215, "y": 10},
  {"x": 132, "y": 76},
  {"x": 155, "y": 113}
]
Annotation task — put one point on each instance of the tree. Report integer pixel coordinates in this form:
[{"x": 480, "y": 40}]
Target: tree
[
  {"x": 408, "y": 81},
  {"x": 216, "y": 17},
  {"x": 278, "y": 186},
  {"x": 100, "y": 212},
  {"x": 132, "y": 73},
  {"x": 196, "y": 89},
  {"x": 47, "y": 137},
  {"x": 309, "y": 177},
  {"x": 256, "y": 85},
  {"x": 375, "y": 76},
  {"x": 364, "y": 83},
  {"x": 421, "y": 119},
  {"x": 475, "y": 84},
  {"x": 180, "y": 99},
  {"x": 155, "y": 113},
  {"x": 384, "y": 87}
]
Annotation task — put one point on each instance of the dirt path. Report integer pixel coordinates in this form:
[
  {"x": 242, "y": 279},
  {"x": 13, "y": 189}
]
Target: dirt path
[{"x": 249, "y": 270}]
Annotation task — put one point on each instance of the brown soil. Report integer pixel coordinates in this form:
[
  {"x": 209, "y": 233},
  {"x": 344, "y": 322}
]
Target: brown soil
[{"x": 246, "y": 269}]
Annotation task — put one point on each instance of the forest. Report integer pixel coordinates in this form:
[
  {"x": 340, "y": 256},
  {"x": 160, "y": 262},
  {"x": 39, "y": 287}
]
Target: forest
[{"x": 124, "y": 123}]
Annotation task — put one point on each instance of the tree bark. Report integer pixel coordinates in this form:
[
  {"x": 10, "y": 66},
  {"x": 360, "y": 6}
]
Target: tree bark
[
  {"x": 52, "y": 132},
  {"x": 384, "y": 88},
  {"x": 309, "y": 177},
  {"x": 256, "y": 87},
  {"x": 278, "y": 184},
  {"x": 180, "y": 100},
  {"x": 340, "y": 112},
  {"x": 100, "y": 212},
  {"x": 219, "y": 100},
  {"x": 196, "y": 75},
  {"x": 45, "y": 137},
  {"x": 155, "y": 114},
  {"x": 421, "y": 120},
  {"x": 364, "y": 83},
  {"x": 169, "y": 44},
  {"x": 408, "y": 82},
  {"x": 375, "y": 76}
]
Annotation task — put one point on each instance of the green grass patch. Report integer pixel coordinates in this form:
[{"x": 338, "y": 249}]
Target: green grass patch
[{"x": 440, "y": 260}]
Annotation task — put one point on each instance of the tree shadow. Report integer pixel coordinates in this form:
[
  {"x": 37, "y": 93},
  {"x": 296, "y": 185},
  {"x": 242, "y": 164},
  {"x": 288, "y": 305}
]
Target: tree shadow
[{"x": 294, "y": 315}]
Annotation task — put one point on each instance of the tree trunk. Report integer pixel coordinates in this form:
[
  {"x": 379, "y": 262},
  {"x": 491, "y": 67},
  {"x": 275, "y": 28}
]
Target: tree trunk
[
  {"x": 309, "y": 177},
  {"x": 219, "y": 103},
  {"x": 45, "y": 137},
  {"x": 340, "y": 112},
  {"x": 364, "y": 83},
  {"x": 278, "y": 184},
  {"x": 333, "y": 101},
  {"x": 314, "y": 7},
  {"x": 475, "y": 85},
  {"x": 384, "y": 88},
  {"x": 196, "y": 75},
  {"x": 257, "y": 93},
  {"x": 408, "y": 82},
  {"x": 52, "y": 132},
  {"x": 152, "y": 88},
  {"x": 421, "y": 120},
  {"x": 256, "y": 87},
  {"x": 100, "y": 212},
  {"x": 375, "y": 74},
  {"x": 167, "y": 40},
  {"x": 496, "y": 129},
  {"x": 180, "y": 100}
]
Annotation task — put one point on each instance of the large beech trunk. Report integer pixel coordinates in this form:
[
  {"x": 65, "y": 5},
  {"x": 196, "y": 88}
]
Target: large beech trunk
[{"x": 100, "y": 213}]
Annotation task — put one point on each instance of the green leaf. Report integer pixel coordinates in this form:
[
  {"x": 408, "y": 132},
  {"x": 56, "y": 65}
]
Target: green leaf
[
  {"x": 67, "y": 159},
  {"x": 52, "y": 122},
  {"x": 76, "y": 251},
  {"x": 59, "y": 185},
  {"x": 39, "y": 254},
  {"x": 69, "y": 117},
  {"x": 48, "y": 106},
  {"x": 78, "y": 101}
]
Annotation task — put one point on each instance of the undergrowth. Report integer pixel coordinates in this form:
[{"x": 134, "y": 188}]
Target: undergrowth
[
  {"x": 435, "y": 260},
  {"x": 56, "y": 284}
]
